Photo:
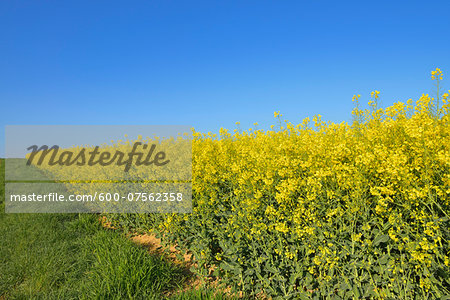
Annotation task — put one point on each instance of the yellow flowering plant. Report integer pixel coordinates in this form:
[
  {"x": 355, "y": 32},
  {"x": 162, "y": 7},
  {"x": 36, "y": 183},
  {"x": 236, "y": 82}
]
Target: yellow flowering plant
[{"x": 322, "y": 210}]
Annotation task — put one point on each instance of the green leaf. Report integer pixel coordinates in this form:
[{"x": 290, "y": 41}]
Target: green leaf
[
  {"x": 383, "y": 260},
  {"x": 356, "y": 292},
  {"x": 380, "y": 239},
  {"x": 271, "y": 269}
]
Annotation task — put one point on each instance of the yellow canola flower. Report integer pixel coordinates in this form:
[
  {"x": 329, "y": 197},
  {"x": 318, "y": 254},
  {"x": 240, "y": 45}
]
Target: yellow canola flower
[
  {"x": 375, "y": 94},
  {"x": 436, "y": 74}
]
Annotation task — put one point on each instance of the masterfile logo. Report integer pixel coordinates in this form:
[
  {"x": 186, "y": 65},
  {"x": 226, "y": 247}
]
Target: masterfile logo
[{"x": 97, "y": 156}]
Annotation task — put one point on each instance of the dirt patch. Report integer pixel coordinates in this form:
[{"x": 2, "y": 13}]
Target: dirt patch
[
  {"x": 154, "y": 245},
  {"x": 105, "y": 223}
]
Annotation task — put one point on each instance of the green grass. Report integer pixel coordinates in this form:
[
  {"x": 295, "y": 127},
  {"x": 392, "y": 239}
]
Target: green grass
[{"x": 70, "y": 256}]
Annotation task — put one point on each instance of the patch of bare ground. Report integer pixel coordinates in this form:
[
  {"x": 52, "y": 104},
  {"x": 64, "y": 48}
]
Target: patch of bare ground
[
  {"x": 154, "y": 245},
  {"x": 105, "y": 223},
  {"x": 193, "y": 282}
]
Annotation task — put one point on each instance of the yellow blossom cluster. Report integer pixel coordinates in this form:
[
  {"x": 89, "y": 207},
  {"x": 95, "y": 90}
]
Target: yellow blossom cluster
[{"x": 437, "y": 74}]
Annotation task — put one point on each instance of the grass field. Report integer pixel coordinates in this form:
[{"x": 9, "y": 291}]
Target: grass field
[{"x": 70, "y": 256}]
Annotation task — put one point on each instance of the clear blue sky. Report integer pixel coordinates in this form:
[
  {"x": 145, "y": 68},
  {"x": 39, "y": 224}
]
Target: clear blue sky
[{"x": 211, "y": 63}]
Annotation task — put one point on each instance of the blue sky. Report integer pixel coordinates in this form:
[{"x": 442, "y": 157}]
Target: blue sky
[{"x": 209, "y": 64}]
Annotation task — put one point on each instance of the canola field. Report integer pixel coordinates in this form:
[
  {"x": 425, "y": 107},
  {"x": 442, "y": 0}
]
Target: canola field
[{"x": 317, "y": 209}]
